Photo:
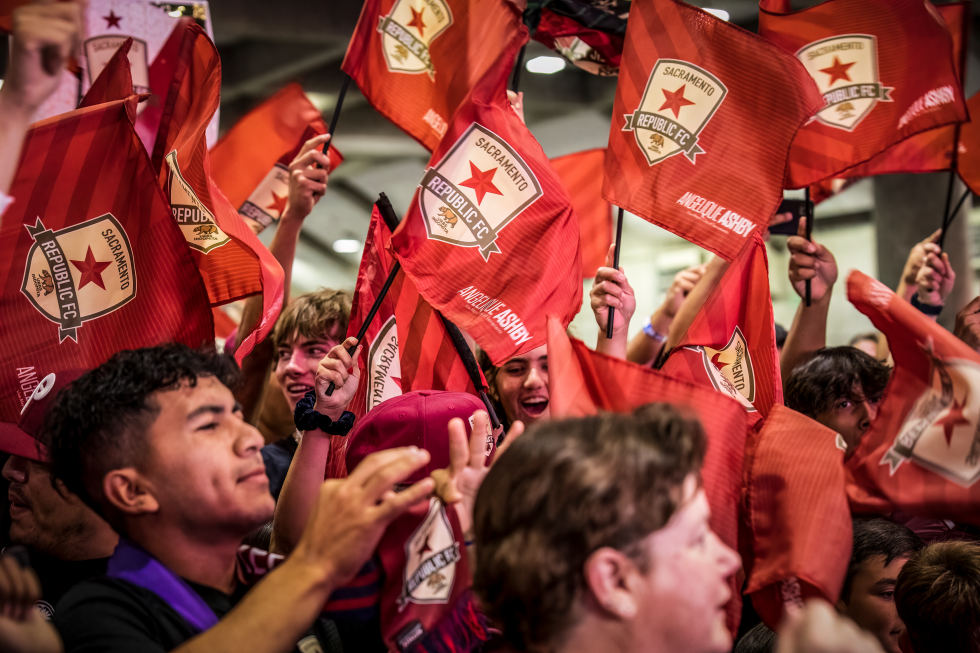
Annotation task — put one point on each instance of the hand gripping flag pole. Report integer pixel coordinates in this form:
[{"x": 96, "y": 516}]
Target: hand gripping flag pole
[
  {"x": 619, "y": 238},
  {"x": 809, "y": 234}
]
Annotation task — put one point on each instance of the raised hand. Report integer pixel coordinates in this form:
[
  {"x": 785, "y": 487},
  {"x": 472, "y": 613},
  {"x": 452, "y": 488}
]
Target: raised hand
[
  {"x": 307, "y": 182},
  {"x": 935, "y": 279},
  {"x": 917, "y": 256},
  {"x": 683, "y": 283},
  {"x": 334, "y": 369},
  {"x": 22, "y": 628},
  {"x": 610, "y": 288},
  {"x": 813, "y": 261}
]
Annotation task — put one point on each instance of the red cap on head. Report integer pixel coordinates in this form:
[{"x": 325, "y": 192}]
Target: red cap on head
[
  {"x": 419, "y": 418},
  {"x": 24, "y": 438}
]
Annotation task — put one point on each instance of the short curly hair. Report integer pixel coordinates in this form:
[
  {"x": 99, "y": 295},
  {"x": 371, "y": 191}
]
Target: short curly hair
[
  {"x": 98, "y": 422},
  {"x": 564, "y": 490}
]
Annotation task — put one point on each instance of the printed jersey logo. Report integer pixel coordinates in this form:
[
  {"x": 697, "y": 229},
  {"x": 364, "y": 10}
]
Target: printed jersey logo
[
  {"x": 940, "y": 432},
  {"x": 79, "y": 273},
  {"x": 679, "y": 100},
  {"x": 845, "y": 69},
  {"x": 730, "y": 369},
  {"x": 384, "y": 366},
  {"x": 407, "y": 32},
  {"x": 431, "y": 554},
  {"x": 267, "y": 202},
  {"x": 195, "y": 221},
  {"x": 477, "y": 188}
]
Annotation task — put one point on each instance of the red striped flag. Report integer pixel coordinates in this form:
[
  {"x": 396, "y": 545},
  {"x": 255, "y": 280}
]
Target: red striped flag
[
  {"x": 866, "y": 58},
  {"x": 490, "y": 239},
  {"x": 250, "y": 164},
  {"x": 581, "y": 174},
  {"x": 922, "y": 453},
  {"x": 93, "y": 261},
  {"x": 697, "y": 144},
  {"x": 731, "y": 344},
  {"x": 115, "y": 82},
  {"x": 232, "y": 261},
  {"x": 584, "y": 382},
  {"x": 416, "y": 61}
]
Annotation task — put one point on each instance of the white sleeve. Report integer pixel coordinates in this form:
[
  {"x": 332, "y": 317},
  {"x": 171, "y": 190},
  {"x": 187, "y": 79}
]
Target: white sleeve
[{"x": 5, "y": 201}]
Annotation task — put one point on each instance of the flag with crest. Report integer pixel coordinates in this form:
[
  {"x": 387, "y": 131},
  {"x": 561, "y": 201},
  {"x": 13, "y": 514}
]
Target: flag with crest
[
  {"x": 416, "y": 60},
  {"x": 866, "y": 58},
  {"x": 695, "y": 146},
  {"x": 490, "y": 239},
  {"x": 232, "y": 261},
  {"x": 922, "y": 453},
  {"x": 93, "y": 262},
  {"x": 731, "y": 344}
]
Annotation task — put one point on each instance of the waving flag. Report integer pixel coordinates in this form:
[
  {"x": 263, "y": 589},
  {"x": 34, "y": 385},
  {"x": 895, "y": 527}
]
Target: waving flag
[
  {"x": 415, "y": 61},
  {"x": 866, "y": 58},
  {"x": 490, "y": 239},
  {"x": 115, "y": 82},
  {"x": 232, "y": 261},
  {"x": 581, "y": 174},
  {"x": 93, "y": 261},
  {"x": 696, "y": 145},
  {"x": 797, "y": 513},
  {"x": 731, "y": 344},
  {"x": 584, "y": 382},
  {"x": 922, "y": 453},
  {"x": 590, "y": 49},
  {"x": 250, "y": 164}
]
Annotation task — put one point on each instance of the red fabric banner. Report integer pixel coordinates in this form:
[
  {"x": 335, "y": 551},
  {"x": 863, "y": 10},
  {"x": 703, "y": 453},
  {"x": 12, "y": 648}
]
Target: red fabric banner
[
  {"x": 695, "y": 145},
  {"x": 922, "y": 453},
  {"x": 115, "y": 82},
  {"x": 581, "y": 174},
  {"x": 584, "y": 382},
  {"x": 416, "y": 62},
  {"x": 591, "y": 50},
  {"x": 250, "y": 164},
  {"x": 866, "y": 58},
  {"x": 232, "y": 261},
  {"x": 731, "y": 344},
  {"x": 93, "y": 261},
  {"x": 490, "y": 239},
  {"x": 797, "y": 513}
]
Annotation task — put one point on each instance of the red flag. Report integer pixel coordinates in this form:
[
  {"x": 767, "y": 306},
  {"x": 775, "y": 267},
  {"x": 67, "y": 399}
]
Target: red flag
[
  {"x": 250, "y": 164},
  {"x": 232, "y": 261},
  {"x": 581, "y": 174},
  {"x": 731, "y": 344},
  {"x": 796, "y": 509},
  {"x": 490, "y": 239},
  {"x": 93, "y": 262},
  {"x": 584, "y": 382},
  {"x": 866, "y": 58},
  {"x": 115, "y": 82},
  {"x": 968, "y": 158},
  {"x": 592, "y": 50},
  {"x": 415, "y": 62},
  {"x": 696, "y": 145},
  {"x": 922, "y": 453}
]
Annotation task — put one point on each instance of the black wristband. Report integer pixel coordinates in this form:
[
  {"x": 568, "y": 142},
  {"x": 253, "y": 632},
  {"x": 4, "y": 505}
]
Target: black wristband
[
  {"x": 307, "y": 419},
  {"x": 927, "y": 309}
]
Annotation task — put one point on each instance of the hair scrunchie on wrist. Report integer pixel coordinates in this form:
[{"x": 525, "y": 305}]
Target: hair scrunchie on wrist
[{"x": 307, "y": 419}]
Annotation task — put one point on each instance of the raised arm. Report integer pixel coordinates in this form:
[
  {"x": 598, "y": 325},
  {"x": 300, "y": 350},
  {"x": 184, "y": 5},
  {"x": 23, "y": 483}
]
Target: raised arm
[
  {"x": 907, "y": 284},
  {"x": 713, "y": 272},
  {"x": 646, "y": 345},
  {"x": 933, "y": 282},
  {"x": 611, "y": 289}
]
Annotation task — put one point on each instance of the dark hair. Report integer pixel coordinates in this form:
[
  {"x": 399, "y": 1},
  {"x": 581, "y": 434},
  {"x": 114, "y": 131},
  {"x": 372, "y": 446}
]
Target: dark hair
[
  {"x": 759, "y": 639},
  {"x": 98, "y": 421},
  {"x": 831, "y": 373},
  {"x": 781, "y": 334},
  {"x": 876, "y": 536},
  {"x": 871, "y": 335},
  {"x": 564, "y": 490},
  {"x": 938, "y": 598}
]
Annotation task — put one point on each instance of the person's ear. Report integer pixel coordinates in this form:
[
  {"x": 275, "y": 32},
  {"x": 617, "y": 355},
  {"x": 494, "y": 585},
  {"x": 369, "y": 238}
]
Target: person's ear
[
  {"x": 608, "y": 574},
  {"x": 128, "y": 492}
]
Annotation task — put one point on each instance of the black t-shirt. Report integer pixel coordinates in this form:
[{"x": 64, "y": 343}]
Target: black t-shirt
[
  {"x": 277, "y": 457},
  {"x": 59, "y": 576}
]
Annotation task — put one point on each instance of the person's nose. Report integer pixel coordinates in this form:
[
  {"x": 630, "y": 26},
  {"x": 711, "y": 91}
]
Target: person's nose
[
  {"x": 15, "y": 470},
  {"x": 533, "y": 379},
  {"x": 248, "y": 440},
  {"x": 294, "y": 365}
]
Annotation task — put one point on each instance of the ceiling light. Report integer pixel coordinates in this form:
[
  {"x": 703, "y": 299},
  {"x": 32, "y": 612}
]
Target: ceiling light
[
  {"x": 346, "y": 246},
  {"x": 545, "y": 65},
  {"x": 718, "y": 13}
]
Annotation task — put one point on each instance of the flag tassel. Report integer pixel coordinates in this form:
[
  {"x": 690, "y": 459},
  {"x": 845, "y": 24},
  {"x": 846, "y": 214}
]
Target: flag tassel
[
  {"x": 809, "y": 235},
  {"x": 619, "y": 238}
]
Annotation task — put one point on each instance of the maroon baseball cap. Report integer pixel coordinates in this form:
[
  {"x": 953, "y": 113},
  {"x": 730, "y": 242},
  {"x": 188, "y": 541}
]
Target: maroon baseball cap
[
  {"x": 419, "y": 418},
  {"x": 24, "y": 438}
]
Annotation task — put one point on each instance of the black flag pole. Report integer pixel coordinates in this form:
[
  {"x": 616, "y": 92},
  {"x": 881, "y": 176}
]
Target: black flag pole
[
  {"x": 336, "y": 113},
  {"x": 809, "y": 234},
  {"x": 515, "y": 83},
  {"x": 472, "y": 369},
  {"x": 949, "y": 219},
  {"x": 619, "y": 239},
  {"x": 947, "y": 216}
]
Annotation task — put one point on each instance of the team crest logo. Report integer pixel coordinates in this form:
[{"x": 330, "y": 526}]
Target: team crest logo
[
  {"x": 99, "y": 49},
  {"x": 431, "y": 554},
  {"x": 408, "y": 30},
  {"x": 679, "y": 100},
  {"x": 79, "y": 273},
  {"x": 730, "y": 369},
  {"x": 195, "y": 221},
  {"x": 477, "y": 188},
  {"x": 845, "y": 69},
  {"x": 267, "y": 202},
  {"x": 384, "y": 366},
  {"x": 940, "y": 432}
]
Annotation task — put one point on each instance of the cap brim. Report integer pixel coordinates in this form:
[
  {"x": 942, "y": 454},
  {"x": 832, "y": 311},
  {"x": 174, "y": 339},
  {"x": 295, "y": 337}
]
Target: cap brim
[{"x": 18, "y": 443}]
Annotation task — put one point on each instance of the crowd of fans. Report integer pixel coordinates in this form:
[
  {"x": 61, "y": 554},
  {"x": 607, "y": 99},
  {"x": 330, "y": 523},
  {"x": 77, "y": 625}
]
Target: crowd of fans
[{"x": 133, "y": 486}]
